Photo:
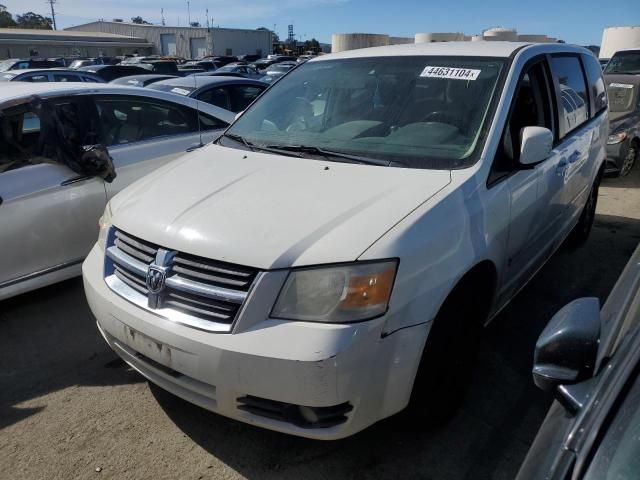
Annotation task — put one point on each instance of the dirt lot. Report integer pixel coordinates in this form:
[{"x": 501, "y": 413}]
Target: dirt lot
[{"x": 70, "y": 409}]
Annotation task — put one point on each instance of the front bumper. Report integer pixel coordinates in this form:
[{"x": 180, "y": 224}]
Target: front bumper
[
  {"x": 299, "y": 363},
  {"x": 615, "y": 156}
]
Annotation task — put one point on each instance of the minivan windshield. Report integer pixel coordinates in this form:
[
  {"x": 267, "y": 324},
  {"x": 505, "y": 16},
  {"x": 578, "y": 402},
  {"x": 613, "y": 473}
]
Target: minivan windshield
[
  {"x": 624, "y": 62},
  {"x": 411, "y": 111}
]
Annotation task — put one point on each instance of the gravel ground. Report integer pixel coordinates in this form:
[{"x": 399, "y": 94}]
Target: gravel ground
[{"x": 70, "y": 409}]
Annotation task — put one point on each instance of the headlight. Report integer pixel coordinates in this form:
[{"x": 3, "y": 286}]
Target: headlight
[
  {"x": 616, "y": 138},
  {"x": 343, "y": 293},
  {"x": 104, "y": 223}
]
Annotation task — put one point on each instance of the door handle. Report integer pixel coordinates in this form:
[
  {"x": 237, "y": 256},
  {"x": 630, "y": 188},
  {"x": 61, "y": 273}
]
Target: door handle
[
  {"x": 562, "y": 166},
  {"x": 73, "y": 180},
  {"x": 574, "y": 157}
]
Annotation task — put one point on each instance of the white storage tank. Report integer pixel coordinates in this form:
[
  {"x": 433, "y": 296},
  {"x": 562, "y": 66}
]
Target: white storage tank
[
  {"x": 500, "y": 34},
  {"x": 619, "y": 38},
  {"x": 439, "y": 37},
  {"x": 352, "y": 41}
]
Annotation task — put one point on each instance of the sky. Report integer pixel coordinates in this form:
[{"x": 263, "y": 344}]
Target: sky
[{"x": 574, "y": 21}]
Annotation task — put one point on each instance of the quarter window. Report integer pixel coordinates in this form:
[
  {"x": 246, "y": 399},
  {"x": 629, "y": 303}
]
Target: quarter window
[
  {"x": 596, "y": 84},
  {"x": 572, "y": 91}
]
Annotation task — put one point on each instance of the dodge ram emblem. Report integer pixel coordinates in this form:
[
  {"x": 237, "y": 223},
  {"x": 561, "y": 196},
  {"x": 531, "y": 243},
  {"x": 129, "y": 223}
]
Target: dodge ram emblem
[{"x": 155, "y": 279}]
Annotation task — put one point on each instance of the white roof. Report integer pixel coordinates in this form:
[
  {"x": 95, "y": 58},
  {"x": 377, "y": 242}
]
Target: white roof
[{"x": 455, "y": 49}]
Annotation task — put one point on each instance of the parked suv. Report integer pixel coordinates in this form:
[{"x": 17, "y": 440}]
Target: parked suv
[
  {"x": 333, "y": 257},
  {"x": 623, "y": 144}
]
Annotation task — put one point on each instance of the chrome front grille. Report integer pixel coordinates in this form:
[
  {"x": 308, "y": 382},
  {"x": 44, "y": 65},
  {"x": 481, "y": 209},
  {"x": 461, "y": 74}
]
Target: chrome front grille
[{"x": 195, "y": 291}]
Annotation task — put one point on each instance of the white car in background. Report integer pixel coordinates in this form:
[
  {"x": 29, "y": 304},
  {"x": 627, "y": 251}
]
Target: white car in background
[{"x": 49, "y": 207}]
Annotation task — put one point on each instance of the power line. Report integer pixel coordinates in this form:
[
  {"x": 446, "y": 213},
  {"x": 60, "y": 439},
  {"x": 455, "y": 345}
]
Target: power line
[{"x": 53, "y": 12}]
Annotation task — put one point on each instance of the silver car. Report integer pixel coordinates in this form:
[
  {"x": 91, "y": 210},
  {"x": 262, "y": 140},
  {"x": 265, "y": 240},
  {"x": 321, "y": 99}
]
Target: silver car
[{"x": 65, "y": 150}]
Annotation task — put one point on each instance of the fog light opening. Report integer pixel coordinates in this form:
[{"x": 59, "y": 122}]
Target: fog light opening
[{"x": 308, "y": 414}]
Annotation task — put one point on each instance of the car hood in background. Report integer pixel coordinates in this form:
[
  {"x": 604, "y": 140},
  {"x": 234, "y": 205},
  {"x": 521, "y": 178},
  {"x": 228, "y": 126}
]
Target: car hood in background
[{"x": 271, "y": 211}]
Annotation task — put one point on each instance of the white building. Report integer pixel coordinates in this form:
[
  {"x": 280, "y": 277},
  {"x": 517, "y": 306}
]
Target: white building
[{"x": 189, "y": 42}]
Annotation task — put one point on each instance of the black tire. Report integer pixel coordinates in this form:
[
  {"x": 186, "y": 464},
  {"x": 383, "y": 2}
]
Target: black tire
[
  {"x": 581, "y": 231},
  {"x": 448, "y": 356},
  {"x": 629, "y": 160}
]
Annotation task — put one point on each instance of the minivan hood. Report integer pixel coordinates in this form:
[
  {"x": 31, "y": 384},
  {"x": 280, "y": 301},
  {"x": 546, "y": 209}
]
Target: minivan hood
[{"x": 270, "y": 211}]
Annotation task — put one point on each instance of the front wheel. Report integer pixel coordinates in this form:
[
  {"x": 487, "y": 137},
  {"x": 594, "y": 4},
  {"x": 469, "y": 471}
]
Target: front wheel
[
  {"x": 581, "y": 231},
  {"x": 448, "y": 357},
  {"x": 629, "y": 161}
]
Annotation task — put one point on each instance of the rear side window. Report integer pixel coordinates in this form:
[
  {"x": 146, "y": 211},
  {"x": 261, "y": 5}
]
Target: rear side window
[
  {"x": 65, "y": 77},
  {"x": 133, "y": 119},
  {"x": 216, "y": 96},
  {"x": 572, "y": 92},
  {"x": 597, "y": 88},
  {"x": 36, "y": 78},
  {"x": 242, "y": 96}
]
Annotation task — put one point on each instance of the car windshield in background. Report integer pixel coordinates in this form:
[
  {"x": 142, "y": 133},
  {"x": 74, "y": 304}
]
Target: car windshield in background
[
  {"x": 7, "y": 77},
  {"x": 6, "y": 65},
  {"x": 624, "y": 62},
  {"x": 180, "y": 90},
  {"x": 419, "y": 112}
]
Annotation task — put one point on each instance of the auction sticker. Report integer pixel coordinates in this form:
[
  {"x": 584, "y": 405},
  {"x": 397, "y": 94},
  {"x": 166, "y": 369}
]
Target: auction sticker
[
  {"x": 450, "y": 72},
  {"x": 180, "y": 91}
]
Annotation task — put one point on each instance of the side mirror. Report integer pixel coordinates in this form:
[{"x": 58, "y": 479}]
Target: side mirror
[
  {"x": 566, "y": 350},
  {"x": 535, "y": 145},
  {"x": 95, "y": 161}
]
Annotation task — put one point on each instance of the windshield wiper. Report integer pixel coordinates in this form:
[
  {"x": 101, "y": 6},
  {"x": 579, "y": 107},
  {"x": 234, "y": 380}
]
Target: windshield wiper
[
  {"x": 238, "y": 138},
  {"x": 331, "y": 155},
  {"x": 291, "y": 150}
]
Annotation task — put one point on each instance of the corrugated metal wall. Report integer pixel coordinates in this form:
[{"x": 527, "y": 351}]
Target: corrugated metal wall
[{"x": 219, "y": 41}]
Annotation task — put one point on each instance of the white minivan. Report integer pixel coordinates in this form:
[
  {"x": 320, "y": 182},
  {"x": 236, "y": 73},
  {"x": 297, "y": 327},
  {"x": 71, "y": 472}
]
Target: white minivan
[{"x": 333, "y": 256}]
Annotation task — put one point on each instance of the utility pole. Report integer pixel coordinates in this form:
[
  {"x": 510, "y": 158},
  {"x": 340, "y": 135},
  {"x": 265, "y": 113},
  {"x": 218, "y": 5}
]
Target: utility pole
[
  {"x": 162, "y": 15},
  {"x": 53, "y": 12},
  {"x": 189, "y": 12}
]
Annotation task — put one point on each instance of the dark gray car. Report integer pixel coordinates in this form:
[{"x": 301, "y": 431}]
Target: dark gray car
[
  {"x": 231, "y": 93},
  {"x": 590, "y": 359},
  {"x": 623, "y": 144}
]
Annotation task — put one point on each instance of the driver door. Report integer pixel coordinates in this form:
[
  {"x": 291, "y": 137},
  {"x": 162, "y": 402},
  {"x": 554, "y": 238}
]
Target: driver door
[
  {"x": 537, "y": 194},
  {"x": 48, "y": 213}
]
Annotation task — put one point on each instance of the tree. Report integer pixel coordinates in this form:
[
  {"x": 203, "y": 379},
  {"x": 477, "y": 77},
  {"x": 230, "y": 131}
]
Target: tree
[
  {"x": 139, "y": 20},
  {"x": 312, "y": 45},
  {"x": 34, "y": 21},
  {"x": 6, "y": 19},
  {"x": 195, "y": 24}
]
